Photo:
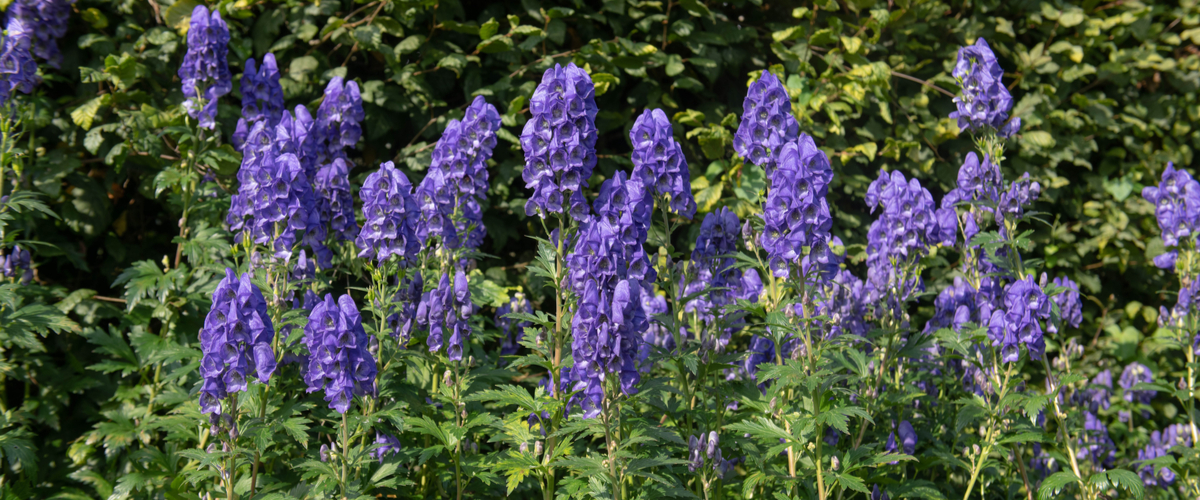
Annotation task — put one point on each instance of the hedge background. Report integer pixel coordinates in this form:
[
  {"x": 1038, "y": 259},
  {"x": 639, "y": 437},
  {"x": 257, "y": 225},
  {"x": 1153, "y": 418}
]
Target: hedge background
[{"x": 1107, "y": 92}]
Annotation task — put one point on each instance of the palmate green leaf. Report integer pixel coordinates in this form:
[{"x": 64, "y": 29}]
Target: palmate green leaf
[
  {"x": 16, "y": 447},
  {"x": 762, "y": 428},
  {"x": 850, "y": 482},
  {"x": 1055, "y": 484},
  {"x": 840, "y": 417},
  {"x": 508, "y": 395},
  {"x": 1119, "y": 478}
]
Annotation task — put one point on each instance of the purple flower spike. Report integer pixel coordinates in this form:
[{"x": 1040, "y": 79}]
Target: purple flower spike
[
  {"x": 205, "y": 69},
  {"x": 513, "y": 329},
  {"x": 446, "y": 310},
  {"x": 18, "y": 71},
  {"x": 335, "y": 204},
  {"x": 985, "y": 100},
  {"x": 1177, "y": 208},
  {"x": 339, "y": 361},
  {"x": 559, "y": 142},
  {"x": 658, "y": 161},
  {"x": 796, "y": 214},
  {"x": 909, "y": 225},
  {"x": 17, "y": 265},
  {"x": 235, "y": 341},
  {"x": 767, "y": 123},
  {"x": 388, "y": 445},
  {"x": 262, "y": 98},
  {"x": 1136, "y": 373},
  {"x": 452, "y": 195},
  {"x": 337, "y": 121},
  {"x": 47, "y": 19},
  {"x": 390, "y": 213}
]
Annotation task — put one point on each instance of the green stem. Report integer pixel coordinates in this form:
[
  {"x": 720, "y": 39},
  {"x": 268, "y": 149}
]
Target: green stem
[
  {"x": 345, "y": 452},
  {"x": 262, "y": 414}
]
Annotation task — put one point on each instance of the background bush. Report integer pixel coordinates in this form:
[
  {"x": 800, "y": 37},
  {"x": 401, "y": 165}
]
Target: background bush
[{"x": 102, "y": 400}]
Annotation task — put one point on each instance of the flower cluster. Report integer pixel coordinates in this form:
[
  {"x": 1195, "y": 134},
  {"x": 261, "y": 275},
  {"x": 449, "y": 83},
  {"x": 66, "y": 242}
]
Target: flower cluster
[
  {"x": 844, "y": 302},
  {"x": 388, "y": 445},
  {"x": 560, "y": 142},
  {"x": 1177, "y": 207},
  {"x": 656, "y": 334},
  {"x": 1018, "y": 323},
  {"x": 452, "y": 193},
  {"x": 205, "y": 69},
  {"x": 658, "y": 161},
  {"x": 18, "y": 71},
  {"x": 1136, "y": 373},
  {"x": 910, "y": 224},
  {"x": 408, "y": 296},
  {"x": 284, "y": 209},
  {"x": 1020, "y": 194},
  {"x": 954, "y": 307},
  {"x": 17, "y": 265},
  {"x": 294, "y": 135},
  {"x": 262, "y": 98},
  {"x": 767, "y": 123},
  {"x": 608, "y": 247},
  {"x": 337, "y": 121},
  {"x": 447, "y": 309},
  {"x": 235, "y": 341},
  {"x": 712, "y": 266},
  {"x": 339, "y": 361},
  {"x": 1070, "y": 308},
  {"x": 513, "y": 329},
  {"x": 707, "y": 450},
  {"x": 1160, "y": 445},
  {"x": 1095, "y": 397},
  {"x": 978, "y": 181},
  {"x": 390, "y": 213},
  {"x": 1095, "y": 443},
  {"x": 907, "y": 441},
  {"x": 47, "y": 19},
  {"x": 1186, "y": 304},
  {"x": 985, "y": 100},
  {"x": 608, "y": 328},
  {"x": 335, "y": 203},
  {"x": 796, "y": 214}
]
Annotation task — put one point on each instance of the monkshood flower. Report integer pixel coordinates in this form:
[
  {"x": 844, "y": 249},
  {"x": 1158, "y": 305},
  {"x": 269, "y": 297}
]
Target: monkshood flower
[
  {"x": 17, "y": 265},
  {"x": 985, "y": 100},
  {"x": 1177, "y": 435},
  {"x": 510, "y": 343},
  {"x": 609, "y": 247},
  {"x": 205, "y": 69},
  {"x": 335, "y": 203},
  {"x": 284, "y": 207},
  {"x": 452, "y": 193},
  {"x": 1095, "y": 443},
  {"x": 908, "y": 226},
  {"x": 1070, "y": 308},
  {"x": 235, "y": 341},
  {"x": 1158, "y": 447},
  {"x": 658, "y": 161},
  {"x": 1177, "y": 207},
  {"x": 1186, "y": 304},
  {"x": 407, "y": 299},
  {"x": 1021, "y": 193},
  {"x": 262, "y": 98},
  {"x": 844, "y": 302},
  {"x": 978, "y": 181},
  {"x": 390, "y": 213},
  {"x": 1137, "y": 373},
  {"x": 796, "y": 214},
  {"x": 877, "y": 494},
  {"x": 656, "y": 334},
  {"x": 18, "y": 71},
  {"x": 706, "y": 449},
  {"x": 388, "y": 445},
  {"x": 762, "y": 350},
  {"x": 1018, "y": 323},
  {"x": 293, "y": 135},
  {"x": 256, "y": 152},
  {"x": 712, "y": 268},
  {"x": 337, "y": 121},
  {"x": 1096, "y": 396},
  {"x": 608, "y": 328},
  {"x": 767, "y": 123},
  {"x": 560, "y": 142},
  {"x": 339, "y": 361},
  {"x": 907, "y": 441},
  {"x": 47, "y": 20},
  {"x": 447, "y": 310},
  {"x": 954, "y": 307},
  {"x": 1042, "y": 463}
]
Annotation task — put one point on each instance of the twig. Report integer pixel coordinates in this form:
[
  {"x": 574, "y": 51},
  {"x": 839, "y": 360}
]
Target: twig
[
  {"x": 922, "y": 82},
  {"x": 108, "y": 299}
]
